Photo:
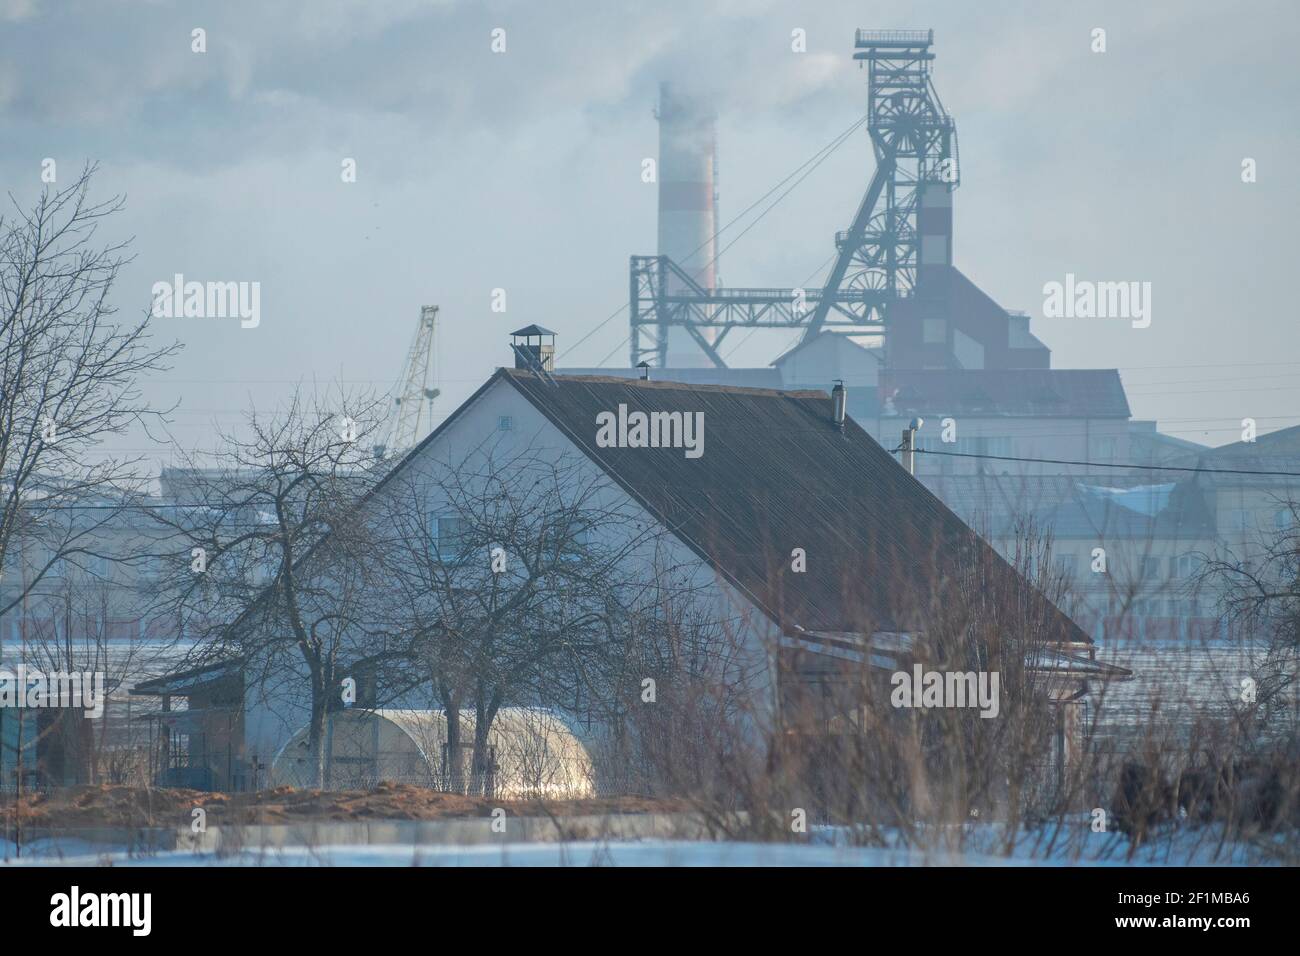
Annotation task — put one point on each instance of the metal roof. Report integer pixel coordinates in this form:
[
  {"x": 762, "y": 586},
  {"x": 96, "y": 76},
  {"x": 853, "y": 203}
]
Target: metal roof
[
  {"x": 1022, "y": 392},
  {"x": 1142, "y": 513},
  {"x": 181, "y": 683},
  {"x": 775, "y": 475}
]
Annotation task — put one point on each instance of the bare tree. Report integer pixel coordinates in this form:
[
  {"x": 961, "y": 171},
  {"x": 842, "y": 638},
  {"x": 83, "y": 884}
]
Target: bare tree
[
  {"x": 1260, "y": 597},
  {"x": 69, "y": 379},
  {"x": 69, "y": 373},
  {"x": 520, "y": 578},
  {"x": 269, "y": 560}
]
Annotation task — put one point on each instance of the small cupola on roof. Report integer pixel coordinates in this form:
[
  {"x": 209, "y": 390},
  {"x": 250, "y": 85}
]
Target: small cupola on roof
[{"x": 534, "y": 348}]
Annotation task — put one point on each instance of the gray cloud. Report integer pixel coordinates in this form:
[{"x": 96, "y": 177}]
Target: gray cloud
[{"x": 521, "y": 170}]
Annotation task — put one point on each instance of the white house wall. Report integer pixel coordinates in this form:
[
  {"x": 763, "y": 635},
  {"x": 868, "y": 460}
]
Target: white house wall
[{"x": 272, "y": 718}]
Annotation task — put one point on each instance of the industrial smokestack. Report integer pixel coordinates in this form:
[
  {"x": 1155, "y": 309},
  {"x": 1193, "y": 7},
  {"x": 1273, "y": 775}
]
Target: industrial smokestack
[{"x": 687, "y": 202}]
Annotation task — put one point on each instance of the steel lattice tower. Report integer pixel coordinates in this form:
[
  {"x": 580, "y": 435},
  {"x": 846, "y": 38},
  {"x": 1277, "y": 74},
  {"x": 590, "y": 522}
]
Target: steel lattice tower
[
  {"x": 903, "y": 224},
  {"x": 915, "y": 145}
]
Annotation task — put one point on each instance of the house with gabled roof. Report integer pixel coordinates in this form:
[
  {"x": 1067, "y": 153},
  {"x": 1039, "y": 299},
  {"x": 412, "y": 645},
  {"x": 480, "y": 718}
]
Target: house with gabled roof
[{"x": 818, "y": 544}]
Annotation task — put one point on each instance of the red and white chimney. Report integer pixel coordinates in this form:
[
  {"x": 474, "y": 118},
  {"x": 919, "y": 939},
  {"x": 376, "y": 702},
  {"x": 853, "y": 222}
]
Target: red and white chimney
[{"x": 687, "y": 201}]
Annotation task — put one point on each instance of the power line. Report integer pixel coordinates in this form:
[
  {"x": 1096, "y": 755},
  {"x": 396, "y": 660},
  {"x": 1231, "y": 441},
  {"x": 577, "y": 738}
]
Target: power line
[
  {"x": 1204, "y": 381},
  {"x": 840, "y": 142},
  {"x": 1133, "y": 368},
  {"x": 1217, "y": 391},
  {"x": 372, "y": 381},
  {"x": 1100, "y": 464},
  {"x": 812, "y": 275},
  {"x": 826, "y": 154},
  {"x": 609, "y": 318},
  {"x": 613, "y": 351},
  {"x": 816, "y": 159}
]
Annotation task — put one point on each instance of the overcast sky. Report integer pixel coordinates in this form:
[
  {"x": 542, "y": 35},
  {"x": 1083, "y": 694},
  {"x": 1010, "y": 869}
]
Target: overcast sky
[{"x": 521, "y": 171}]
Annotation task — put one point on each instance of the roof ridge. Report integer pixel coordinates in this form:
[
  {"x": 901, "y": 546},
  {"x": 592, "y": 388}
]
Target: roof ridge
[{"x": 666, "y": 385}]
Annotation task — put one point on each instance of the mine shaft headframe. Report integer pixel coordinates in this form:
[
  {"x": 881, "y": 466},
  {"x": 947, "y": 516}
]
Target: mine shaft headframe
[
  {"x": 907, "y": 117},
  {"x": 915, "y": 143},
  {"x": 903, "y": 222}
]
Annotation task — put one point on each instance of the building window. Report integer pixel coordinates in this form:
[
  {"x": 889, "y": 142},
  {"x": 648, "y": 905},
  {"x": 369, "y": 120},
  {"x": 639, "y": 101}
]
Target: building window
[
  {"x": 451, "y": 531},
  {"x": 1000, "y": 445},
  {"x": 930, "y": 464},
  {"x": 566, "y": 544},
  {"x": 100, "y": 567},
  {"x": 505, "y": 423},
  {"x": 1185, "y": 565},
  {"x": 1103, "y": 449},
  {"x": 1150, "y": 568}
]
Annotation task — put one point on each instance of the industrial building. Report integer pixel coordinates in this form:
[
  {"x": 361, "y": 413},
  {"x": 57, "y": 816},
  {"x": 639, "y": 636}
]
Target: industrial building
[{"x": 1004, "y": 435}]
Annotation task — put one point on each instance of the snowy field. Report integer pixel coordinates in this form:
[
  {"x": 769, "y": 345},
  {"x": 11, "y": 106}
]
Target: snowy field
[{"x": 824, "y": 847}]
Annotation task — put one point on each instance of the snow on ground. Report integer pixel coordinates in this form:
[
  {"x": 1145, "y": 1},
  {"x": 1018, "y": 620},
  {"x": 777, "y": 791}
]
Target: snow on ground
[
  {"x": 824, "y": 847},
  {"x": 657, "y": 853}
]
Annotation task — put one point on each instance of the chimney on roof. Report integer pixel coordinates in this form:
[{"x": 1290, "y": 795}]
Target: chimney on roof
[
  {"x": 534, "y": 348},
  {"x": 908, "y": 447},
  {"x": 839, "y": 402}
]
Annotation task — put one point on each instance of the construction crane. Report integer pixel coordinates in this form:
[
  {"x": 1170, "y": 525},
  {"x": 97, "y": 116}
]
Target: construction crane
[
  {"x": 903, "y": 224},
  {"x": 413, "y": 405}
]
